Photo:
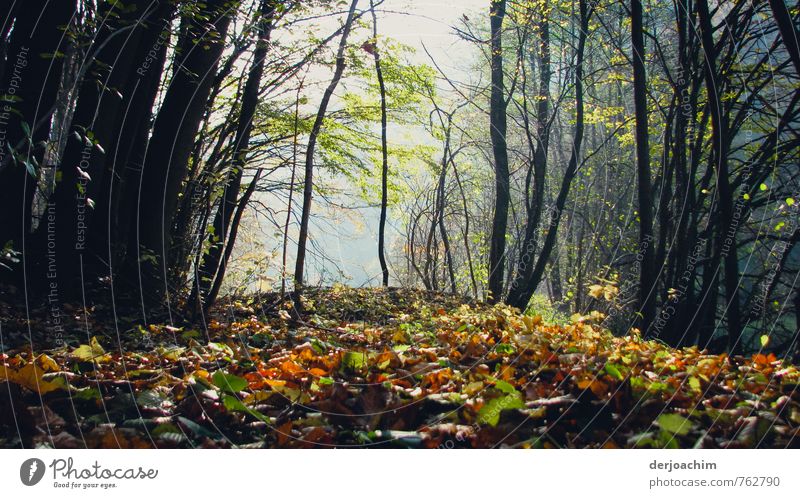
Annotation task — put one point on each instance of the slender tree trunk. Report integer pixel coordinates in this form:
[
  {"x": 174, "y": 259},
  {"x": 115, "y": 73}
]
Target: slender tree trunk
[
  {"x": 291, "y": 190},
  {"x": 525, "y": 266},
  {"x": 467, "y": 249},
  {"x": 308, "y": 182},
  {"x": 212, "y": 266},
  {"x": 235, "y": 223},
  {"x": 647, "y": 280},
  {"x": 439, "y": 213},
  {"x": 497, "y": 123},
  {"x": 726, "y": 237},
  {"x": 384, "y": 151},
  {"x": 554, "y": 220}
]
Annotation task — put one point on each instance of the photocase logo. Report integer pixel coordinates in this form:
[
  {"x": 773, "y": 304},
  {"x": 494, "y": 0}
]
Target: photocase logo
[{"x": 31, "y": 471}]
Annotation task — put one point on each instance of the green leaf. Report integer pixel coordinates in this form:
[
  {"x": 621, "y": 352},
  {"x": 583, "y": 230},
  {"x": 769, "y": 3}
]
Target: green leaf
[
  {"x": 694, "y": 384},
  {"x": 505, "y": 387},
  {"x": 198, "y": 429},
  {"x": 354, "y": 361},
  {"x": 490, "y": 412},
  {"x": 233, "y": 404},
  {"x": 613, "y": 371},
  {"x": 228, "y": 382},
  {"x": 675, "y": 424},
  {"x": 30, "y": 168},
  {"x": 764, "y": 341},
  {"x": 151, "y": 399},
  {"x": 261, "y": 340},
  {"x": 88, "y": 394},
  {"x": 318, "y": 346},
  {"x": 505, "y": 349},
  {"x": 190, "y": 334},
  {"x": 219, "y": 347}
]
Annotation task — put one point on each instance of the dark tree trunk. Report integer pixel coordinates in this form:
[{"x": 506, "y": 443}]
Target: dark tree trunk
[
  {"x": 83, "y": 175},
  {"x": 31, "y": 79},
  {"x": 384, "y": 152},
  {"x": 112, "y": 217},
  {"x": 726, "y": 247},
  {"x": 172, "y": 140},
  {"x": 529, "y": 287},
  {"x": 520, "y": 291},
  {"x": 647, "y": 275},
  {"x": 788, "y": 30},
  {"x": 497, "y": 123}
]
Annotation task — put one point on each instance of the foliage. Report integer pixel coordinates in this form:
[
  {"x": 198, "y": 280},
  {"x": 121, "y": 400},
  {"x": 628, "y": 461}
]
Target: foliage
[{"x": 399, "y": 368}]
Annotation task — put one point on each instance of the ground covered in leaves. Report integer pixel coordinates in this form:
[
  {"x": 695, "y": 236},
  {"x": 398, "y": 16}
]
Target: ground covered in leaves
[{"x": 389, "y": 368}]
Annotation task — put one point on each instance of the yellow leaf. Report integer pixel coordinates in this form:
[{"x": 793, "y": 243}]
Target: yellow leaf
[
  {"x": 531, "y": 322},
  {"x": 89, "y": 352},
  {"x": 30, "y": 376},
  {"x": 610, "y": 292},
  {"x": 596, "y": 291},
  {"x": 598, "y": 387}
]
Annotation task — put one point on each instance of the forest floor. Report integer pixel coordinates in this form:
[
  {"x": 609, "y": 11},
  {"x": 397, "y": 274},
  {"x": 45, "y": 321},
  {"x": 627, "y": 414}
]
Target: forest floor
[{"x": 387, "y": 368}]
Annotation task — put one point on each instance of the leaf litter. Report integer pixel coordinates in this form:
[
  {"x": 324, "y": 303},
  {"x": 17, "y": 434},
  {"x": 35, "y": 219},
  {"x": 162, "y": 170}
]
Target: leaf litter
[{"x": 392, "y": 368}]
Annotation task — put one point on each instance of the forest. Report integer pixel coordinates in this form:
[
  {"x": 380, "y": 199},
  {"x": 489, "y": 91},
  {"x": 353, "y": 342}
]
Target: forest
[{"x": 386, "y": 223}]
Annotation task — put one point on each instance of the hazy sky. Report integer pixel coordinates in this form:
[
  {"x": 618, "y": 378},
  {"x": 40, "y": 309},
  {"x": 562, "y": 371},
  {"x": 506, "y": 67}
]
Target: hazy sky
[
  {"x": 348, "y": 237},
  {"x": 415, "y": 22}
]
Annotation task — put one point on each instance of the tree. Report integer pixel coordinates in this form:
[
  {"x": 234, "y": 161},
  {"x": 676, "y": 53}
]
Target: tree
[
  {"x": 647, "y": 270},
  {"x": 83, "y": 176},
  {"x": 30, "y": 88},
  {"x": 373, "y": 47},
  {"x": 726, "y": 245},
  {"x": 172, "y": 140},
  {"x": 497, "y": 123},
  {"x": 214, "y": 262},
  {"x": 308, "y": 181}
]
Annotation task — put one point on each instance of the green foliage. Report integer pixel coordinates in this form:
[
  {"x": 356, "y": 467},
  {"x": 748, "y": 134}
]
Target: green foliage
[{"x": 228, "y": 382}]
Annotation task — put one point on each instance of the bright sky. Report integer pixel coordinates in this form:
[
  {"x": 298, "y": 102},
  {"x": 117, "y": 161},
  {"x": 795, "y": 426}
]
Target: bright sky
[
  {"x": 415, "y": 22},
  {"x": 349, "y": 239}
]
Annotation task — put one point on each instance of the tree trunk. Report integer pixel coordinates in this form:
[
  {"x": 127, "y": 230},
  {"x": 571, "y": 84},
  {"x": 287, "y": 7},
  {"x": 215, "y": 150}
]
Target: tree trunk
[
  {"x": 519, "y": 295},
  {"x": 172, "y": 140},
  {"x": 554, "y": 220},
  {"x": 308, "y": 181},
  {"x": 497, "y": 123},
  {"x": 110, "y": 228},
  {"x": 213, "y": 267},
  {"x": 726, "y": 247},
  {"x": 647, "y": 275},
  {"x": 788, "y": 30},
  {"x": 384, "y": 151},
  {"x": 82, "y": 168},
  {"x": 31, "y": 80}
]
